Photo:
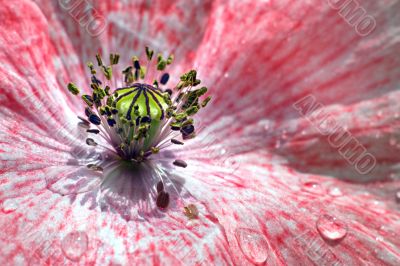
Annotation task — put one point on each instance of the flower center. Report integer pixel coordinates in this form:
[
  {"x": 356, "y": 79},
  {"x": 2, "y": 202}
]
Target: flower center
[{"x": 136, "y": 119}]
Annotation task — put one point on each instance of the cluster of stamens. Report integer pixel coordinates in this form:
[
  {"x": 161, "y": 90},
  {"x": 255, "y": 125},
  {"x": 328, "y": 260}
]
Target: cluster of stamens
[{"x": 135, "y": 118}]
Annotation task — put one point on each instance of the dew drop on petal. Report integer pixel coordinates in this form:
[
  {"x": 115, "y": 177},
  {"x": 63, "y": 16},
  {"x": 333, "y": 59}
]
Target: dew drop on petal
[
  {"x": 331, "y": 228},
  {"x": 9, "y": 206},
  {"x": 253, "y": 245},
  {"x": 74, "y": 245},
  {"x": 313, "y": 188},
  {"x": 335, "y": 192}
]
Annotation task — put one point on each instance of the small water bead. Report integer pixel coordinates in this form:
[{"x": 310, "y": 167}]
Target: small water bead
[
  {"x": 331, "y": 228},
  {"x": 74, "y": 245},
  {"x": 253, "y": 245},
  {"x": 9, "y": 205},
  {"x": 335, "y": 192},
  {"x": 313, "y": 188}
]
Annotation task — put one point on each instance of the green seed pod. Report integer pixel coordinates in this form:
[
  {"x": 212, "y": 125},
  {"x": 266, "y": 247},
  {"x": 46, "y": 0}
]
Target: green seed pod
[{"x": 142, "y": 104}]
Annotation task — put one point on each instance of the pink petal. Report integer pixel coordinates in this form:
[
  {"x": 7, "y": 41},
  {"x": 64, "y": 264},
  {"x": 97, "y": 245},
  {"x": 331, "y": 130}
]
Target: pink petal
[
  {"x": 246, "y": 196},
  {"x": 264, "y": 58},
  {"x": 126, "y": 28}
]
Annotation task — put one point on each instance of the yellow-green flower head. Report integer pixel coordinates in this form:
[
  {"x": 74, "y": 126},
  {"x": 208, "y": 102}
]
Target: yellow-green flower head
[
  {"x": 144, "y": 107},
  {"x": 135, "y": 118}
]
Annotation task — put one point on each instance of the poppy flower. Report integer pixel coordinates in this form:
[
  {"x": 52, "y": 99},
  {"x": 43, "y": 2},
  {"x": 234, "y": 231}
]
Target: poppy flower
[{"x": 294, "y": 159}]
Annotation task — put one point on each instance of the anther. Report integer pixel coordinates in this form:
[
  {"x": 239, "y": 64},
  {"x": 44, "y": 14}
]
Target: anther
[
  {"x": 91, "y": 142},
  {"x": 84, "y": 120},
  {"x": 169, "y": 91},
  {"x": 95, "y": 80},
  {"x": 164, "y": 78},
  {"x": 162, "y": 200},
  {"x": 160, "y": 187},
  {"x": 94, "y": 131},
  {"x": 180, "y": 163},
  {"x": 88, "y": 100},
  {"x": 111, "y": 122},
  {"x": 187, "y": 130},
  {"x": 88, "y": 111},
  {"x": 206, "y": 101},
  {"x": 175, "y": 141},
  {"x": 136, "y": 63},
  {"x": 94, "y": 119},
  {"x": 145, "y": 119},
  {"x": 83, "y": 125},
  {"x": 191, "y": 211},
  {"x": 95, "y": 167},
  {"x": 149, "y": 53},
  {"x": 99, "y": 60},
  {"x": 73, "y": 88}
]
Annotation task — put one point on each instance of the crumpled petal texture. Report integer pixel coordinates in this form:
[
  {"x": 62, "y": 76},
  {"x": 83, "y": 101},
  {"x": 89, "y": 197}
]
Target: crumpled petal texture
[{"x": 259, "y": 173}]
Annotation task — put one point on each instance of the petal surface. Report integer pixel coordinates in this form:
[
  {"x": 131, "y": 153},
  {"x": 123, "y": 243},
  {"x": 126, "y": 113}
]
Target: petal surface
[{"x": 245, "y": 195}]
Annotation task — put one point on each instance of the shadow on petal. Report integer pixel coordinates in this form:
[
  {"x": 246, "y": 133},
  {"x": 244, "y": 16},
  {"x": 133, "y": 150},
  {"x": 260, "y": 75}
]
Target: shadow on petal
[
  {"x": 130, "y": 190},
  {"x": 119, "y": 187},
  {"x": 74, "y": 180}
]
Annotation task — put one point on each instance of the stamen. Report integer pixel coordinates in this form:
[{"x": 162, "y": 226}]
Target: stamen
[
  {"x": 136, "y": 63},
  {"x": 149, "y": 53},
  {"x": 94, "y": 119},
  {"x": 191, "y": 211},
  {"x": 164, "y": 78},
  {"x": 91, "y": 142},
  {"x": 162, "y": 200},
  {"x": 94, "y": 131},
  {"x": 88, "y": 100},
  {"x": 95, "y": 167},
  {"x": 84, "y": 120},
  {"x": 180, "y": 163},
  {"x": 175, "y": 141},
  {"x": 160, "y": 187},
  {"x": 95, "y": 80},
  {"x": 138, "y": 119},
  {"x": 73, "y": 88}
]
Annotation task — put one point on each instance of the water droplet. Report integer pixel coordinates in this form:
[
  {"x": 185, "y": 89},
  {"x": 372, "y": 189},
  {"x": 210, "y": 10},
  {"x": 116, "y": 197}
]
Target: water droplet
[
  {"x": 313, "y": 188},
  {"x": 331, "y": 228},
  {"x": 74, "y": 245},
  {"x": 253, "y": 245},
  {"x": 335, "y": 192},
  {"x": 9, "y": 206},
  {"x": 226, "y": 75}
]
